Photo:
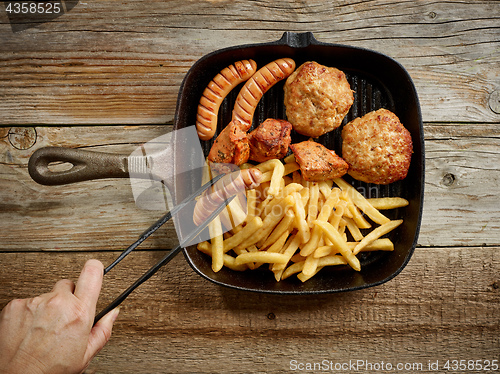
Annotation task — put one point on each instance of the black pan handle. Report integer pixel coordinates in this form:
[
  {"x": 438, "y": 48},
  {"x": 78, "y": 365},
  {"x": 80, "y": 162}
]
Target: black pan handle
[
  {"x": 298, "y": 40},
  {"x": 86, "y": 165}
]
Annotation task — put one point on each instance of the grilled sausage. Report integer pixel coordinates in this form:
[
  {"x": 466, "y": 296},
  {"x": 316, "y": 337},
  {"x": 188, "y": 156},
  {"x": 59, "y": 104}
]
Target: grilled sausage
[
  {"x": 257, "y": 86},
  {"x": 227, "y": 186},
  {"x": 216, "y": 91}
]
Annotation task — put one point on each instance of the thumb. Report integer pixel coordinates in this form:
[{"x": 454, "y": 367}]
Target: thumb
[{"x": 100, "y": 334}]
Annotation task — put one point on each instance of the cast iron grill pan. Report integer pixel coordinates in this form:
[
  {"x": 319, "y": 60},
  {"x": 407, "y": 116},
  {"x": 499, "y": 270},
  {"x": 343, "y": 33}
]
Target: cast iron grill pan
[{"x": 378, "y": 82}]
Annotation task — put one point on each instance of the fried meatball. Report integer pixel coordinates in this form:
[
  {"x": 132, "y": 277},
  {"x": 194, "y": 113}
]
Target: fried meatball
[
  {"x": 317, "y": 98},
  {"x": 318, "y": 163},
  {"x": 270, "y": 140},
  {"x": 377, "y": 148}
]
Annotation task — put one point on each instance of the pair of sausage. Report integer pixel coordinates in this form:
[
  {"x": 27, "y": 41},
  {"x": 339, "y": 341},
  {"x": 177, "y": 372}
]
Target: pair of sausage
[
  {"x": 258, "y": 83},
  {"x": 232, "y": 145}
]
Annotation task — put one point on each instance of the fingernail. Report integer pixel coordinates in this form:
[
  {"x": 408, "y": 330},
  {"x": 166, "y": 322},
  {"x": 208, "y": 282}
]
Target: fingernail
[{"x": 116, "y": 311}]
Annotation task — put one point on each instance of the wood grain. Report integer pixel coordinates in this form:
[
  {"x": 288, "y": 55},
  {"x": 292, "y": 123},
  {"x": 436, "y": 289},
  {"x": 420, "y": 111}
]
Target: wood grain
[
  {"x": 460, "y": 193},
  {"x": 110, "y": 62},
  {"x": 178, "y": 322},
  {"x": 105, "y": 75}
]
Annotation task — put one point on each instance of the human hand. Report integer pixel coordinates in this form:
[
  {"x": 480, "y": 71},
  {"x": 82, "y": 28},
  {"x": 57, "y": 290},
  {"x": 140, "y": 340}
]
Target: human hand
[{"x": 53, "y": 333}]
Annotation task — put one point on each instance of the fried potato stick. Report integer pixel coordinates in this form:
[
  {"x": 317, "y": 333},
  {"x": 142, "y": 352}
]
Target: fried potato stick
[
  {"x": 337, "y": 240},
  {"x": 260, "y": 256},
  {"x": 206, "y": 247},
  {"x": 377, "y": 233},
  {"x": 361, "y": 202},
  {"x": 253, "y": 225},
  {"x": 384, "y": 203}
]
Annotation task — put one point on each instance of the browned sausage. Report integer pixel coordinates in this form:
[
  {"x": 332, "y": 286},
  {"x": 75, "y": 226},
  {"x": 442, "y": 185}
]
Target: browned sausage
[
  {"x": 257, "y": 86},
  {"x": 225, "y": 187},
  {"x": 216, "y": 91}
]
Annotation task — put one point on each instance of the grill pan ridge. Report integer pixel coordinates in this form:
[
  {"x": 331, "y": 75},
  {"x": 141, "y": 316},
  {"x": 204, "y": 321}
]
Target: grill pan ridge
[{"x": 378, "y": 82}]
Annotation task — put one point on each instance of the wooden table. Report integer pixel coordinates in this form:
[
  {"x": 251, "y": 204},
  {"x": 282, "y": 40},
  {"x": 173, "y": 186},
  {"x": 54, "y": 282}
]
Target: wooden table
[{"x": 105, "y": 75}]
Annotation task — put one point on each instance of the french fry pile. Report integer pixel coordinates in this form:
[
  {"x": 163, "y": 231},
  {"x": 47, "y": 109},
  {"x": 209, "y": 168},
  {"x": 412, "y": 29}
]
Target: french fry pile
[{"x": 298, "y": 227}]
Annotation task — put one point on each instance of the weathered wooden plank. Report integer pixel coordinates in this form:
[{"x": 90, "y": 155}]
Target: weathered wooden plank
[
  {"x": 460, "y": 208},
  {"x": 36, "y": 217},
  {"x": 179, "y": 322},
  {"x": 122, "y": 62},
  {"x": 462, "y": 179}
]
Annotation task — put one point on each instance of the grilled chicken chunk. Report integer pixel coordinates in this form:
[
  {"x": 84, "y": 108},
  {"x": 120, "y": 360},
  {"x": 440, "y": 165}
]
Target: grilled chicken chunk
[
  {"x": 231, "y": 146},
  {"x": 318, "y": 163},
  {"x": 270, "y": 140}
]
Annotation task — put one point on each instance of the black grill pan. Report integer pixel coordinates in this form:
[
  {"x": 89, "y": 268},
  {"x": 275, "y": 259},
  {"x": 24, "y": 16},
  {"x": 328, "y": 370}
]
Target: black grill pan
[{"x": 378, "y": 82}]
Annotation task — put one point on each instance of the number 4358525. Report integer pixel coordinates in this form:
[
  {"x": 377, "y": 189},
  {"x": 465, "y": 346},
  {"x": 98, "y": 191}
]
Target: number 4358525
[
  {"x": 33, "y": 8},
  {"x": 470, "y": 365}
]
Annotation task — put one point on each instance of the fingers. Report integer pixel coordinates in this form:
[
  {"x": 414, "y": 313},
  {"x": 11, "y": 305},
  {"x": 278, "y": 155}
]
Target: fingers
[
  {"x": 89, "y": 283},
  {"x": 64, "y": 285},
  {"x": 101, "y": 333}
]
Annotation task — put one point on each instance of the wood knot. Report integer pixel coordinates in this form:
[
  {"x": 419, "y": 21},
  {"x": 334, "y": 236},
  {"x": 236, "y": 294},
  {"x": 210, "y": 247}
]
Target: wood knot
[
  {"x": 271, "y": 316},
  {"x": 22, "y": 137},
  {"x": 494, "y": 101},
  {"x": 448, "y": 179},
  {"x": 4, "y": 132}
]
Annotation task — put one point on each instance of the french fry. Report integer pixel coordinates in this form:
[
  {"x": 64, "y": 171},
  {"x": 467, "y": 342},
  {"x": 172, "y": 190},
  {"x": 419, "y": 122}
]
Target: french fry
[
  {"x": 290, "y": 168},
  {"x": 324, "y": 189},
  {"x": 312, "y": 206},
  {"x": 297, "y": 258},
  {"x": 288, "y": 190},
  {"x": 293, "y": 269},
  {"x": 252, "y": 248},
  {"x": 267, "y": 176},
  {"x": 384, "y": 244},
  {"x": 206, "y": 248},
  {"x": 260, "y": 256},
  {"x": 353, "y": 229},
  {"x": 286, "y": 224},
  {"x": 253, "y": 225},
  {"x": 251, "y": 203},
  {"x": 337, "y": 214},
  {"x": 377, "y": 233},
  {"x": 277, "y": 246},
  {"x": 289, "y": 159},
  {"x": 269, "y": 223},
  {"x": 353, "y": 212},
  {"x": 340, "y": 243},
  {"x": 384, "y": 203},
  {"x": 237, "y": 213},
  {"x": 289, "y": 250},
  {"x": 333, "y": 260},
  {"x": 300, "y": 218},
  {"x": 304, "y": 277},
  {"x": 215, "y": 229},
  {"x": 361, "y": 202},
  {"x": 310, "y": 266},
  {"x": 322, "y": 262},
  {"x": 278, "y": 170}
]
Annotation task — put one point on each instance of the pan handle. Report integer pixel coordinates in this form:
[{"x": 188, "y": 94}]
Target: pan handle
[
  {"x": 298, "y": 40},
  {"x": 87, "y": 165}
]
